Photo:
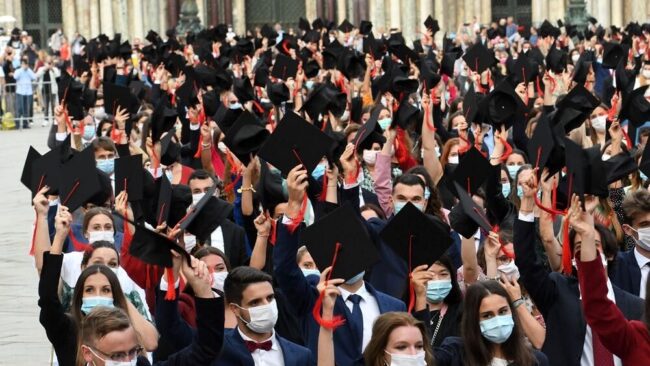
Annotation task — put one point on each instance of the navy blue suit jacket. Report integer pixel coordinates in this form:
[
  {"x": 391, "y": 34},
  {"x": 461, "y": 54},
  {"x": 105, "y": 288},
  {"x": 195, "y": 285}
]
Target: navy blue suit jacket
[
  {"x": 626, "y": 273},
  {"x": 558, "y": 298},
  {"x": 296, "y": 287},
  {"x": 235, "y": 352}
]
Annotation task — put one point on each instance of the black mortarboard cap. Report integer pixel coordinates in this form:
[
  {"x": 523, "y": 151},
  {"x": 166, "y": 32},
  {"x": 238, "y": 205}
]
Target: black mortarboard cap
[
  {"x": 356, "y": 109},
  {"x": 226, "y": 117},
  {"x": 311, "y": 69},
  {"x": 70, "y": 92},
  {"x": 501, "y": 105},
  {"x": 26, "y": 176},
  {"x": 479, "y": 58},
  {"x": 547, "y": 29},
  {"x": 447, "y": 63},
  {"x": 346, "y": 26},
  {"x": 129, "y": 174},
  {"x": 471, "y": 172},
  {"x": 416, "y": 237},
  {"x": 613, "y": 53},
  {"x": 163, "y": 119},
  {"x": 406, "y": 114},
  {"x": 578, "y": 99},
  {"x": 471, "y": 106},
  {"x": 432, "y": 24},
  {"x": 284, "y": 68},
  {"x": 635, "y": 107},
  {"x": 467, "y": 216},
  {"x": 169, "y": 150},
  {"x": 243, "y": 90},
  {"x": 45, "y": 170},
  {"x": 164, "y": 202},
  {"x": 277, "y": 92},
  {"x": 342, "y": 227},
  {"x": 581, "y": 70},
  {"x": 325, "y": 98},
  {"x": 206, "y": 216},
  {"x": 644, "y": 164},
  {"x": 556, "y": 60},
  {"x": 79, "y": 180},
  {"x": 365, "y": 27},
  {"x": 295, "y": 141},
  {"x": 153, "y": 248},
  {"x": 246, "y": 136},
  {"x": 543, "y": 151},
  {"x": 118, "y": 95},
  {"x": 303, "y": 24},
  {"x": 370, "y": 132},
  {"x": 269, "y": 33},
  {"x": 619, "y": 167},
  {"x": 523, "y": 70},
  {"x": 187, "y": 93}
]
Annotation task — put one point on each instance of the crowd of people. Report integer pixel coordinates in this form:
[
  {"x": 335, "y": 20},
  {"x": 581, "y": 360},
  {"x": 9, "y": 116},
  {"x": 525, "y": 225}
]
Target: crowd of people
[{"x": 336, "y": 196}]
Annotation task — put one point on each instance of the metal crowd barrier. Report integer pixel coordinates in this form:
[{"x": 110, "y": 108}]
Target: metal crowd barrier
[{"x": 36, "y": 92}]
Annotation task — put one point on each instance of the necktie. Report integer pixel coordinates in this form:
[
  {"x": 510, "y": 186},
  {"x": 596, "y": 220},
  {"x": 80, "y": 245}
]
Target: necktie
[
  {"x": 356, "y": 319},
  {"x": 602, "y": 356},
  {"x": 252, "y": 346}
]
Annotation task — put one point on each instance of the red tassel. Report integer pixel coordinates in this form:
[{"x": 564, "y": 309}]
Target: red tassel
[
  {"x": 323, "y": 192},
  {"x": 274, "y": 230},
  {"x": 352, "y": 178},
  {"x": 31, "y": 248},
  {"x": 171, "y": 291},
  {"x": 466, "y": 147},
  {"x": 295, "y": 222},
  {"x": 566, "y": 249},
  {"x": 217, "y": 163},
  {"x": 231, "y": 186},
  {"x": 628, "y": 142},
  {"x": 540, "y": 92},
  {"x": 336, "y": 320},
  {"x": 127, "y": 231},
  {"x": 507, "y": 149},
  {"x": 198, "y": 148}
]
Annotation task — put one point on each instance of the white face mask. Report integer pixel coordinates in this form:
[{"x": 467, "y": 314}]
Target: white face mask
[
  {"x": 133, "y": 362},
  {"x": 452, "y": 159},
  {"x": 575, "y": 58},
  {"x": 370, "y": 156},
  {"x": 190, "y": 242},
  {"x": 509, "y": 270},
  {"x": 407, "y": 360},
  {"x": 599, "y": 123},
  {"x": 94, "y": 236},
  {"x": 644, "y": 237},
  {"x": 646, "y": 74},
  {"x": 218, "y": 279},
  {"x": 196, "y": 197},
  {"x": 606, "y": 157},
  {"x": 263, "y": 317}
]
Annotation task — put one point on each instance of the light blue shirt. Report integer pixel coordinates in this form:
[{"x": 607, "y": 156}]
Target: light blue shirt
[{"x": 24, "y": 78}]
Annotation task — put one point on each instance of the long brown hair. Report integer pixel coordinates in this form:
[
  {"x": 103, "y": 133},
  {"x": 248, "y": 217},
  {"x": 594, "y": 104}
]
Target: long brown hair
[
  {"x": 375, "y": 355},
  {"x": 94, "y": 212},
  {"x": 478, "y": 350}
]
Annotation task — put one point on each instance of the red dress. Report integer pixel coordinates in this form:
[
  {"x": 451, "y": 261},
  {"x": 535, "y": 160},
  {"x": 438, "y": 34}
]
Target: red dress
[{"x": 627, "y": 339}]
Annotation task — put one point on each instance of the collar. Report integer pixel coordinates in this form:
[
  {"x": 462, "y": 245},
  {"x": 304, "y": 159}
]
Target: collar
[
  {"x": 640, "y": 259},
  {"x": 274, "y": 341},
  {"x": 362, "y": 291}
]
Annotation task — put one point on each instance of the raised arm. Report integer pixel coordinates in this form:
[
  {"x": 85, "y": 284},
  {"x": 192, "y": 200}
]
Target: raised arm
[
  {"x": 326, "y": 334},
  {"x": 471, "y": 268},
  {"x": 263, "y": 227},
  {"x": 534, "y": 331},
  {"x": 383, "y": 185},
  {"x": 42, "y": 234},
  {"x": 547, "y": 234},
  {"x": 430, "y": 159}
]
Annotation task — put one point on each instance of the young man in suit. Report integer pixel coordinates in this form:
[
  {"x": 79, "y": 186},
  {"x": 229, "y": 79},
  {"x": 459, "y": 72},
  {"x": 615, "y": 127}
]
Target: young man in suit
[
  {"x": 569, "y": 340},
  {"x": 228, "y": 237},
  {"x": 356, "y": 294},
  {"x": 250, "y": 296},
  {"x": 632, "y": 267}
]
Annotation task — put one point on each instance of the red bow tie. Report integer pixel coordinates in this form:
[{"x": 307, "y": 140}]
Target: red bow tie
[{"x": 252, "y": 346}]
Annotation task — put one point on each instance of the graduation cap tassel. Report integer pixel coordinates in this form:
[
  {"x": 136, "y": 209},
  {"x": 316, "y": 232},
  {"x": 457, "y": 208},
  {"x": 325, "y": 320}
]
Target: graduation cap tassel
[
  {"x": 611, "y": 113},
  {"x": 295, "y": 221},
  {"x": 323, "y": 192},
  {"x": 466, "y": 147},
  {"x": 217, "y": 162},
  {"x": 170, "y": 295},
  {"x": 628, "y": 141},
  {"x": 507, "y": 149},
  {"x": 566, "y": 248},
  {"x": 128, "y": 235},
  {"x": 274, "y": 228},
  {"x": 72, "y": 191},
  {"x": 337, "y": 320}
]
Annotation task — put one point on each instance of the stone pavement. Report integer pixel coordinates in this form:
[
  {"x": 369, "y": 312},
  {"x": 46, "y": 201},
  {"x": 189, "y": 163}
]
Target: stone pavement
[{"x": 22, "y": 339}]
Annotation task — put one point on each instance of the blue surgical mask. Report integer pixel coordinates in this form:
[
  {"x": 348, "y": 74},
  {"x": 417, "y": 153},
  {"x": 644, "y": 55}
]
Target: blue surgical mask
[
  {"x": 89, "y": 303},
  {"x": 356, "y": 278},
  {"x": 497, "y": 329},
  {"x": 169, "y": 174},
  {"x": 643, "y": 176},
  {"x": 438, "y": 290},
  {"x": 384, "y": 123},
  {"x": 318, "y": 172},
  {"x": 310, "y": 272},
  {"x": 399, "y": 205},
  {"x": 427, "y": 193},
  {"x": 235, "y": 106},
  {"x": 106, "y": 165},
  {"x": 505, "y": 189},
  {"x": 89, "y": 132},
  {"x": 520, "y": 191},
  {"x": 309, "y": 84},
  {"x": 512, "y": 170}
]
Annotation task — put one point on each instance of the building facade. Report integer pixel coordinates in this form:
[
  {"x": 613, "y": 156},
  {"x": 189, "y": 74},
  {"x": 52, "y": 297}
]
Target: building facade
[{"x": 133, "y": 18}]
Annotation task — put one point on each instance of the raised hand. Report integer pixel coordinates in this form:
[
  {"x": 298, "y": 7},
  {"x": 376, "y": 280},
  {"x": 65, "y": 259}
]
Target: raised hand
[
  {"x": 198, "y": 277},
  {"x": 331, "y": 291},
  {"x": 41, "y": 203},
  {"x": 262, "y": 225},
  {"x": 62, "y": 222},
  {"x": 348, "y": 161}
]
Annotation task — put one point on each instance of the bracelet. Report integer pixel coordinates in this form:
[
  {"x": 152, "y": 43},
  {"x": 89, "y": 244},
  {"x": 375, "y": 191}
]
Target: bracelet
[
  {"x": 206, "y": 146},
  {"x": 242, "y": 189},
  {"x": 262, "y": 236},
  {"x": 495, "y": 157},
  {"x": 495, "y": 278},
  {"x": 517, "y": 303}
]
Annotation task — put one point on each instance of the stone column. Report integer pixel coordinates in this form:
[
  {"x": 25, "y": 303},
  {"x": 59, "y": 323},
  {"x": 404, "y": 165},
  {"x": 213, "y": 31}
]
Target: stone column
[
  {"x": 106, "y": 17},
  {"x": 639, "y": 11},
  {"x": 83, "y": 17},
  {"x": 120, "y": 19},
  {"x": 617, "y": 13},
  {"x": 486, "y": 12},
  {"x": 151, "y": 19},
  {"x": 426, "y": 9},
  {"x": 378, "y": 15},
  {"x": 409, "y": 20},
  {"x": 239, "y": 16},
  {"x": 228, "y": 12},
  {"x": 470, "y": 11},
  {"x": 95, "y": 22},
  {"x": 342, "y": 12},
  {"x": 68, "y": 17},
  {"x": 440, "y": 15},
  {"x": 603, "y": 13},
  {"x": 310, "y": 10},
  {"x": 16, "y": 10},
  {"x": 363, "y": 9},
  {"x": 162, "y": 17},
  {"x": 138, "y": 16},
  {"x": 172, "y": 13},
  {"x": 395, "y": 14}
]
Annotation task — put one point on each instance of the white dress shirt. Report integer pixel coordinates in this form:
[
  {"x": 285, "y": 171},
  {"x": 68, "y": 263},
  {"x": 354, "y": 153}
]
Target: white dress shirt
[
  {"x": 587, "y": 358},
  {"x": 216, "y": 239},
  {"x": 369, "y": 310},
  {"x": 644, "y": 266},
  {"x": 272, "y": 357}
]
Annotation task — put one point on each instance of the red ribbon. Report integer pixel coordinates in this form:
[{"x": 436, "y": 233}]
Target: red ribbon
[
  {"x": 336, "y": 320},
  {"x": 507, "y": 149},
  {"x": 295, "y": 221}
]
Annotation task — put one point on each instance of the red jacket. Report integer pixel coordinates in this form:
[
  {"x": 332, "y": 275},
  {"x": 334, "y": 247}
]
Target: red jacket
[{"x": 627, "y": 339}]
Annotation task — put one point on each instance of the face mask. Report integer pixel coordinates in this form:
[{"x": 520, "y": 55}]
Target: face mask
[
  {"x": 644, "y": 237},
  {"x": 133, "y": 362},
  {"x": 218, "y": 278},
  {"x": 398, "y": 206},
  {"x": 599, "y": 123},
  {"x": 599, "y": 60},
  {"x": 356, "y": 278},
  {"x": 437, "y": 151},
  {"x": 88, "y": 303},
  {"x": 318, "y": 172},
  {"x": 427, "y": 193},
  {"x": 384, "y": 102},
  {"x": 419, "y": 206},
  {"x": 190, "y": 242},
  {"x": 196, "y": 197},
  {"x": 89, "y": 132},
  {"x": 509, "y": 270},
  {"x": 309, "y": 84},
  {"x": 169, "y": 174},
  {"x": 575, "y": 58},
  {"x": 262, "y": 317},
  {"x": 505, "y": 189},
  {"x": 106, "y": 165},
  {"x": 345, "y": 116},
  {"x": 310, "y": 272},
  {"x": 235, "y": 106},
  {"x": 384, "y": 123},
  {"x": 606, "y": 157},
  {"x": 94, "y": 236},
  {"x": 222, "y": 147},
  {"x": 512, "y": 170},
  {"x": 438, "y": 290},
  {"x": 646, "y": 74},
  {"x": 497, "y": 329},
  {"x": 370, "y": 156},
  {"x": 407, "y": 360},
  {"x": 643, "y": 176},
  {"x": 452, "y": 159},
  {"x": 520, "y": 191}
]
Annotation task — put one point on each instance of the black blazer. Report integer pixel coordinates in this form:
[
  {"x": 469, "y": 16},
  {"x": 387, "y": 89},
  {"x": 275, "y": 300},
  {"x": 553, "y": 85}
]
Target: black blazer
[
  {"x": 626, "y": 273},
  {"x": 234, "y": 243},
  {"x": 235, "y": 352},
  {"x": 558, "y": 298}
]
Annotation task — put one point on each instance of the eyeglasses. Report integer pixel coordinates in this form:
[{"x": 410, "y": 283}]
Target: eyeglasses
[{"x": 118, "y": 356}]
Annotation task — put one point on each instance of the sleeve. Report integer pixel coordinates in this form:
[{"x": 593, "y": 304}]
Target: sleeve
[
  {"x": 383, "y": 187},
  {"x": 206, "y": 346},
  {"x": 602, "y": 315},
  {"x": 519, "y": 136},
  {"x": 123, "y": 150},
  {"x": 534, "y": 276},
  {"x": 440, "y": 128},
  {"x": 169, "y": 323},
  {"x": 290, "y": 278}
]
